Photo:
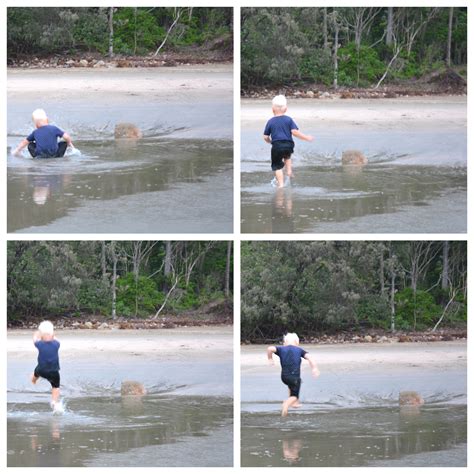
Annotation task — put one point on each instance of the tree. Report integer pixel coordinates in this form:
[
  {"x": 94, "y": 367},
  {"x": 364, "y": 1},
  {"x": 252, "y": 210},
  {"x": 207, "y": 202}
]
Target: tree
[
  {"x": 111, "y": 31},
  {"x": 450, "y": 34}
]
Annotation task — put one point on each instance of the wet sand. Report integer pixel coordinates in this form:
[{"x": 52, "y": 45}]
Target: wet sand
[
  {"x": 187, "y": 373},
  {"x": 417, "y": 159},
  {"x": 178, "y": 178},
  {"x": 350, "y": 414}
]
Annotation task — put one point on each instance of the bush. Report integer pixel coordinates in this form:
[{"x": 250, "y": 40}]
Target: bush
[
  {"x": 137, "y": 298},
  {"x": 416, "y": 310},
  {"x": 374, "y": 311},
  {"x": 366, "y": 62}
]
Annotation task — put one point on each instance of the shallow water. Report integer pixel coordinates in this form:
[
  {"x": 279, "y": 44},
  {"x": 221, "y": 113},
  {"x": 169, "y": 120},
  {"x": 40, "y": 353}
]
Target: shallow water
[
  {"x": 93, "y": 427},
  {"x": 416, "y": 179},
  {"x": 375, "y": 199},
  {"x": 357, "y": 437},
  {"x": 188, "y": 405},
  {"x": 177, "y": 179},
  {"x": 351, "y": 416},
  {"x": 155, "y": 185}
]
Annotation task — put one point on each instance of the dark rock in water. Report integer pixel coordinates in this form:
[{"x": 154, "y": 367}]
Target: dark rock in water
[
  {"x": 132, "y": 388},
  {"x": 353, "y": 157},
  {"x": 410, "y": 399},
  {"x": 127, "y": 130}
]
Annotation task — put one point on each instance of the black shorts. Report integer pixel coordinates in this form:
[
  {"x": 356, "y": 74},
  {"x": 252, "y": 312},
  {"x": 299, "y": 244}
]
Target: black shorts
[
  {"x": 52, "y": 377},
  {"x": 62, "y": 147},
  {"x": 294, "y": 384},
  {"x": 281, "y": 150}
]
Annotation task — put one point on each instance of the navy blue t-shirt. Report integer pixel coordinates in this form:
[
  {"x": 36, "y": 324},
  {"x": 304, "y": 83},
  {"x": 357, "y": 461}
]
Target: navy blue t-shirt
[
  {"x": 290, "y": 359},
  {"x": 48, "y": 357},
  {"x": 46, "y": 139},
  {"x": 279, "y": 128}
]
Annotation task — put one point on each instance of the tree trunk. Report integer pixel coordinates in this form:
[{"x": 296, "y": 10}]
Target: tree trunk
[
  {"x": 114, "y": 280},
  {"x": 392, "y": 301},
  {"x": 227, "y": 269},
  {"x": 135, "y": 31},
  {"x": 450, "y": 34},
  {"x": 325, "y": 28},
  {"x": 103, "y": 261},
  {"x": 336, "y": 40},
  {"x": 389, "y": 35},
  {"x": 382, "y": 274},
  {"x": 111, "y": 31},
  {"x": 167, "y": 269},
  {"x": 445, "y": 273}
]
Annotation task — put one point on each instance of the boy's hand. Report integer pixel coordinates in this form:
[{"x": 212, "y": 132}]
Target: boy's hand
[
  {"x": 271, "y": 362},
  {"x": 315, "y": 373},
  {"x": 309, "y": 138}
]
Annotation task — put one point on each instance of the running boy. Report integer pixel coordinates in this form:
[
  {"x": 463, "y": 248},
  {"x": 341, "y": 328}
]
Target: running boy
[
  {"x": 290, "y": 359},
  {"x": 48, "y": 360},
  {"x": 43, "y": 141},
  {"x": 279, "y": 132}
]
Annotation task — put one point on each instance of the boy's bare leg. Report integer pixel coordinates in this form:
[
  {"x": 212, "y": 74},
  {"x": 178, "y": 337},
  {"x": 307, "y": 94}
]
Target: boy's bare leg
[
  {"x": 34, "y": 379},
  {"x": 55, "y": 393},
  {"x": 287, "y": 404},
  {"x": 280, "y": 178},
  {"x": 288, "y": 167}
]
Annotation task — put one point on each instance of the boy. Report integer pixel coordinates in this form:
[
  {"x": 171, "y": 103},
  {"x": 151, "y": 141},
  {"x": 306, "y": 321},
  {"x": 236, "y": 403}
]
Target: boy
[
  {"x": 290, "y": 359},
  {"x": 43, "y": 141},
  {"x": 279, "y": 132},
  {"x": 48, "y": 360}
]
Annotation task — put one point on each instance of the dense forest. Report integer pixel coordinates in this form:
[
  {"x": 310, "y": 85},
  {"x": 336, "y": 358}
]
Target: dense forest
[
  {"x": 333, "y": 286},
  {"x": 116, "y": 278},
  {"x": 124, "y": 30},
  {"x": 361, "y": 47}
]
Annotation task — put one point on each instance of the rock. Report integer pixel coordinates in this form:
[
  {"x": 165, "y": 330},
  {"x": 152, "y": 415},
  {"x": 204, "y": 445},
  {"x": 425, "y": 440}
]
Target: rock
[
  {"x": 353, "y": 157},
  {"x": 404, "y": 338},
  {"x": 383, "y": 339},
  {"x": 367, "y": 338},
  {"x": 103, "y": 326},
  {"x": 83, "y": 63},
  {"x": 310, "y": 94},
  {"x": 132, "y": 388},
  {"x": 128, "y": 131},
  {"x": 70, "y": 62},
  {"x": 410, "y": 398},
  {"x": 347, "y": 95},
  {"x": 99, "y": 63},
  {"x": 88, "y": 325},
  {"x": 325, "y": 95}
]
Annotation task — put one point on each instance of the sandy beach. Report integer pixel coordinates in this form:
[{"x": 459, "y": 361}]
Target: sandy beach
[
  {"x": 188, "y": 377},
  {"x": 350, "y": 414}
]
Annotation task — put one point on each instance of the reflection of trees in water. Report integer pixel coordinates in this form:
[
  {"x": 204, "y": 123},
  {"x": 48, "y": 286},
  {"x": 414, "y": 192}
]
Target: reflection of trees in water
[
  {"x": 345, "y": 440},
  {"x": 167, "y": 422}
]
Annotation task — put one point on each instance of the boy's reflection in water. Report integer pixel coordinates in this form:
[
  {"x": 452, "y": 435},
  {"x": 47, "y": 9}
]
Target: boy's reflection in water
[{"x": 282, "y": 211}]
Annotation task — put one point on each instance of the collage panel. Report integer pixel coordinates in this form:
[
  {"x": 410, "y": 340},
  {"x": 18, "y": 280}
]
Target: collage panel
[
  {"x": 119, "y": 353},
  {"x": 353, "y": 120},
  {"x": 120, "y": 120},
  {"x": 354, "y": 354}
]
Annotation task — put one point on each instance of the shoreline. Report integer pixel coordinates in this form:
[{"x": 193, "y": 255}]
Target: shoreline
[
  {"x": 205, "y": 342},
  {"x": 369, "y": 357}
]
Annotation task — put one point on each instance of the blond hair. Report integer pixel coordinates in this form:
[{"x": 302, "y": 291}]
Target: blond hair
[
  {"x": 291, "y": 338},
  {"x": 46, "y": 327},
  {"x": 38, "y": 115},
  {"x": 279, "y": 101}
]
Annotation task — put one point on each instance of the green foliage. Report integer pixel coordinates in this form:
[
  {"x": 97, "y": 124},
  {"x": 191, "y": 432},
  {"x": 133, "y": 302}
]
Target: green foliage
[
  {"x": 416, "y": 310},
  {"x": 313, "y": 287},
  {"x": 137, "y": 297},
  {"x": 137, "y": 30},
  {"x": 361, "y": 67},
  {"x": 286, "y": 45}
]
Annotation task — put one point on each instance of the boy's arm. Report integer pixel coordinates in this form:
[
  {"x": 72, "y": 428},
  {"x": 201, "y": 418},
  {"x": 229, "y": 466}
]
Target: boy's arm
[
  {"x": 267, "y": 139},
  {"x": 36, "y": 336},
  {"x": 67, "y": 139},
  {"x": 296, "y": 133},
  {"x": 23, "y": 144},
  {"x": 312, "y": 363},
  {"x": 270, "y": 351}
]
